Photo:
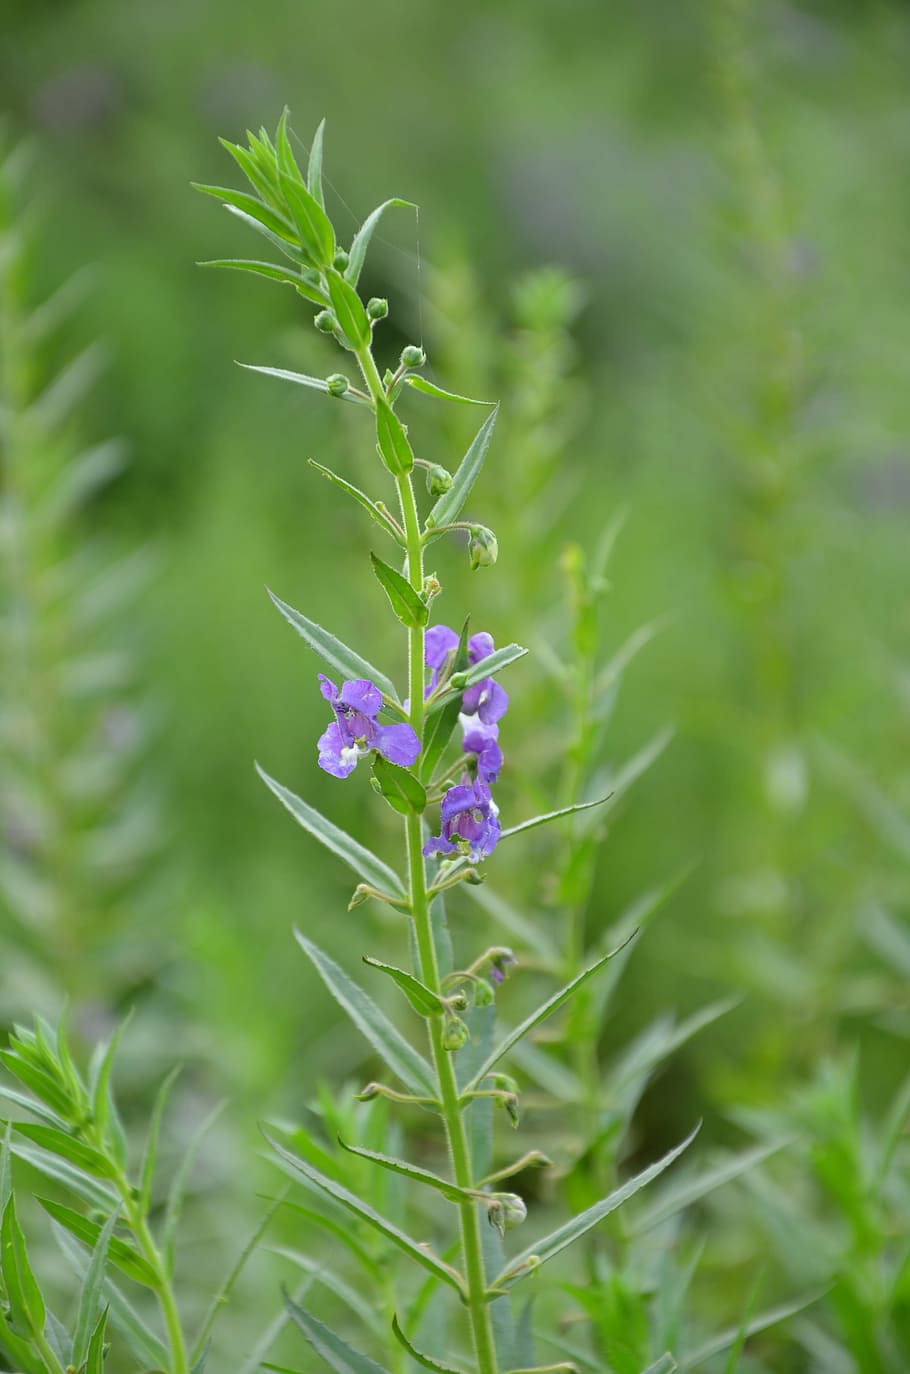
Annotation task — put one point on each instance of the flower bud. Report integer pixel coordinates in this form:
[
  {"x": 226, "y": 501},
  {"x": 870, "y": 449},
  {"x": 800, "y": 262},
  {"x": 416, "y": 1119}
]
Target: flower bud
[
  {"x": 514, "y": 1211},
  {"x": 459, "y": 1000},
  {"x": 337, "y": 384},
  {"x": 413, "y": 356},
  {"x": 483, "y": 993},
  {"x": 439, "y": 479},
  {"x": 340, "y": 260},
  {"x": 483, "y": 547},
  {"x": 377, "y": 308},
  {"x": 431, "y": 587},
  {"x": 474, "y": 878},
  {"x": 326, "y": 322},
  {"x": 360, "y": 895},
  {"x": 455, "y": 1034},
  {"x": 371, "y": 1091}
]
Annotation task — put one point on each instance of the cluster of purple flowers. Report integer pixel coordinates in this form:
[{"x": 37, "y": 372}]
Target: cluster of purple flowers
[{"x": 470, "y": 817}]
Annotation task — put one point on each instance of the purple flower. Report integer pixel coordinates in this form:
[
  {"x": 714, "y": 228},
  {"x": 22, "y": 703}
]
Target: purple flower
[
  {"x": 355, "y": 732},
  {"x": 470, "y": 823},
  {"x": 439, "y": 642},
  {"x": 482, "y": 739}
]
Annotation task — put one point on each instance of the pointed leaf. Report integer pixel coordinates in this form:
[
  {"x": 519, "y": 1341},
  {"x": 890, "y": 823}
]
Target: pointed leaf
[
  {"x": 665, "y": 1365},
  {"x": 223, "y": 1295},
  {"x": 546, "y": 1009},
  {"x": 349, "y": 310},
  {"x": 424, "y": 1002},
  {"x": 317, "y": 383},
  {"x": 392, "y": 439},
  {"x": 289, "y": 249},
  {"x": 314, "y": 165},
  {"x": 287, "y": 162},
  {"x": 725, "y": 1339},
  {"x": 426, "y": 1360},
  {"x": 84, "y": 1157},
  {"x": 370, "y": 506},
  {"x": 553, "y": 816},
  {"x": 407, "y": 604},
  {"x": 6, "y": 1177},
  {"x": 700, "y": 1185},
  {"x": 134, "y": 1265},
  {"x": 268, "y": 269},
  {"x": 362, "y": 238},
  {"x": 449, "y": 505},
  {"x": 254, "y": 208},
  {"x": 260, "y": 174},
  {"x": 22, "y": 1291},
  {"x": 333, "y": 652},
  {"x": 431, "y": 389},
  {"x": 42, "y": 1084},
  {"x": 491, "y": 665},
  {"x": 557, "y": 1241},
  {"x": 317, "y": 236},
  {"x": 179, "y": 1182},
  {"x": 336, "y": 1353},
  {"x": 94, "y": 1362},
  {"x": 450, "y": 1191},
  {"x": 354, "y": 1204},
  {"x": 400, "y": 1055},
  {"x": 92, "y": 1289},
  {"x": 149, "y": 1158},
  {"x": 95, "y": 1194},
  {"x": 361, "y": 860}
]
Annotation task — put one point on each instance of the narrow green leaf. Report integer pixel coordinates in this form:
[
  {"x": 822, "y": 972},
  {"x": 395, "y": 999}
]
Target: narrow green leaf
[
  {"x": 267, "y": 269},
  {"x": 361, "y": 497},
  {"x": 289, "y": 249},
  {"x": 551, "y": 1005},
  {"x": 557, "y": 1241},
  {"x": 84, "y": 1157},
  {"x": 353, "y": 1298},
  {"x": 301, "y": 379},
  {"x": 449, "y": 505},
  {"x": 223, "y": 1295},
  {"x": 425, "y": 1258},
  {"x": 147, "y": 1175},
  {"x": 426, "y": 1360},
  {"x": 313, "y": 225},
  {"x": 700, "y": 1185},
  {"x": 94, "y": 1360},
  {"x": 450, "y": 1191},
  {"x": 491, "y": 665},
  {"x": 431, "y": 389},
  {"x": 400, "y": 1055},
  {"x": 393, "y": 440},
  {"x": 404, "y": 600},
  {"x": 143, "y": 1344},
  {"x": 287, "y": 162},
  {"x": 179, "y": 1182},
  {"x": 333, "y": 652},
  {"x": 362, "y": 238},
  {"x": 349, "y": 310},
  {"x": 134, "y": 1265},
  {"x": 361, "y": 860},
  {"x": 725, "y": 1339},
  {"x": 425, "y": 1002},
  {"x": 92, "y": 1290},
  {"x": 45, "y": 1088},
  {"x": 104, "y": 1108},
  {"x": 18, "y": 1348},
  {"x": 254, "y": 208},
  {"x": 330, "y": 1347},
  {"x": 6, "y": 1176},
  {"x": 58, "y": 1338},
  {"x": 95, "y": 1194},
  {"x": 342, "y": 1233},
  {"x": 665, "y": 1365},
  {"x": 261, "y": 175},
  {"x": 22, "y": 1291},
  {"x": 552, "y": 816},
  {"x": 314, "y": 166}
]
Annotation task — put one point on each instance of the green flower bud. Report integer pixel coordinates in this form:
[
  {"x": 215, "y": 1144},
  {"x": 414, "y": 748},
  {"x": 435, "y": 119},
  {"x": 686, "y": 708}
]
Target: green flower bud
[
  {"x": 514, "y": 1211},
  {"x": 439, "y": 479},
  {"x": 413, "y": 356},
  {"x": 326, "y": 322},
  {"x": 371, "y": 1091},
  {"x": 431, "y": 587},
  {"x": 337, "y": 384},
  {"x": 388, "y": 376},
  {"x": 483, "y": 993},
  {"x": 510, "y": 1102},
  {"x": 360, "y": 895},
  {"x": 340, "y": 260},
  {"x": 474, "y": 878},
  {"x": 377, "y": 308},
  {"x": 483, "y": 547},
  {"x": 459, "y": 1000},
  {"x": 455, "y": 1034}
]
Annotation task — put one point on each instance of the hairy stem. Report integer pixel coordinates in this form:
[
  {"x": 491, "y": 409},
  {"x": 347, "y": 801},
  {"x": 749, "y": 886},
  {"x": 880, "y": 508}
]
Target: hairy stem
[{"x": 443, "y": 1061}]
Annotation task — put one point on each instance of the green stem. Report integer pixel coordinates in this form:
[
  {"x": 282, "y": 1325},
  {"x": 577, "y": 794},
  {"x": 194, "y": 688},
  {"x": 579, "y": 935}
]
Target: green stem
[
  {"x": 164, "y": 1291},
  {"x": 452, "y": 1107}
]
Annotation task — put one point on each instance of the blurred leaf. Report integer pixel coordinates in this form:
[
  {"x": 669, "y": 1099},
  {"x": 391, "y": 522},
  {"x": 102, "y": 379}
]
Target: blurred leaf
[
  {"x": 364, "y": 863},
  {"x": 450, "y": 1191},
  {"x": 84, "y": 1157},
  {"x": 126, "y": 1257},
  {"x": 400, "y": 1055},
  {"x": 335, "y": 654},
  {"x": 45, "y": 1088},
  {"x": 551, "y": 1005},
  {"x": 149, "y": 1159},
  {"x": 223, "y": 1295},
  {"x": 360, "y": 1305},
  {"x": 6, "y": 1179},
  {"x": 449, "y": 505},
  {"x": 425, "y": 1360},
  {"x": 552, "y": 816},
  {"x": 92, "y": 1291},
  {"x": 665, "y": 1365},
  {"x": 551, "y": 1245},
  {"x": 361, "y": 241},
  {"x": 22, "y": 1291},
  {"x": 181, "y": 1178},
  {"x": 420, "y": 1253},
  {"x": 407, "y": 604},
  {"x": 94, "y": 1363},
  {"x": 144, "y": 1345},
  {"x": 424, "y": 1002},
  {"x": 370, "y": 506},
  {"x": 718, "y": 1344},
  {"x": 73, "y": 1179},
  {"x": 431, "y": 389},
  {"x": 301, "y": 379},
  {"x": 330, "y": 1347},
  {"x": 700, "y": 1185}
]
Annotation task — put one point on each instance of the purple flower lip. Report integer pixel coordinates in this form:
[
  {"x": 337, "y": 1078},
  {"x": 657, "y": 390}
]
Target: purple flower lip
[
  {"x": 355, "y": 733},
  {"x": 470, "y": 824}
]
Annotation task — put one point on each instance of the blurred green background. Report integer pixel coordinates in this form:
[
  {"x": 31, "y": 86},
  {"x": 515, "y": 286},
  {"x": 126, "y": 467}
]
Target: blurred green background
[{"x": 727, "y": 190}]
